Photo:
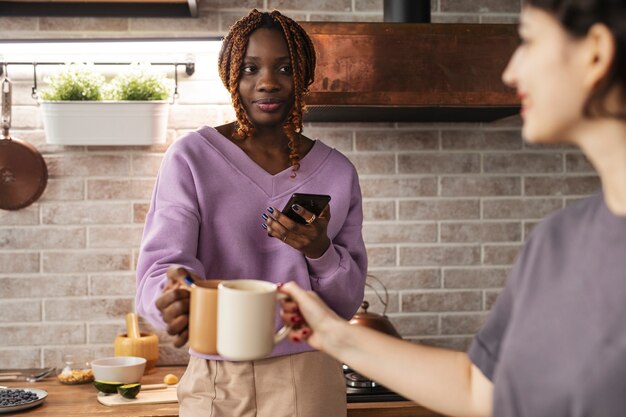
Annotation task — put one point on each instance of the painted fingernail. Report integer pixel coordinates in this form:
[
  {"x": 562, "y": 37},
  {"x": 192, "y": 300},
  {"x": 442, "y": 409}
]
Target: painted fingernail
[
  {"x": 263, "y": 225},
  {"x": 296, "y": 339},
  {"x": 279, "y": 284},
  {"x": 264, "y": 216},
  {"x": 305, "y": 332},
  {"x": 270, "y": 209},
  {"x": 295, "y": 207},
  {"x": 296, "y": 319}
]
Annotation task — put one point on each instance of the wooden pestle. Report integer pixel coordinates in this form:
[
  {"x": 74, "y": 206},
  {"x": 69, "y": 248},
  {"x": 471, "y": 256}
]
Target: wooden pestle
[
  {"x": 134, "y": 343},
  {"x": 132, "y": 326}
]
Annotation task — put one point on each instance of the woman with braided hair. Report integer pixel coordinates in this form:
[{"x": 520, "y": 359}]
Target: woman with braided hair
[{"x": 215, "y": 214}]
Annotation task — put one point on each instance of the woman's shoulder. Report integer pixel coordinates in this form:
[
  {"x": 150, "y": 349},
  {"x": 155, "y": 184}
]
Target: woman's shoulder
[{"x": 576, "y": 215}]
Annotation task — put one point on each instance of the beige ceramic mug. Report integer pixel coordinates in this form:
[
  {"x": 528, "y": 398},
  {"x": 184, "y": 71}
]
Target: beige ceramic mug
[
  {"x": 246, "y": 317},
  {"x": 203, "y": 316}
]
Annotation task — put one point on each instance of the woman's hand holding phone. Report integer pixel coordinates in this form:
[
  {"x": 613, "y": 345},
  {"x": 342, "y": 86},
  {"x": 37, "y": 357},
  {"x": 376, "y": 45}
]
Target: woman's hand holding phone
[{"x": 311, "y": 237}]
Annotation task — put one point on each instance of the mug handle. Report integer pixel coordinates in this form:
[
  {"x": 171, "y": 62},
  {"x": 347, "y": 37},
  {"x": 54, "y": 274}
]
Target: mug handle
[{"x": 284, "y": 331}]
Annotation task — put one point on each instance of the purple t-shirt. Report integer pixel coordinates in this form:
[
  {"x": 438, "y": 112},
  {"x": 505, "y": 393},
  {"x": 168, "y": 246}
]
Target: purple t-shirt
[
  {"x": 205, "y": 215},
  {"x": 554, "y": 344}
]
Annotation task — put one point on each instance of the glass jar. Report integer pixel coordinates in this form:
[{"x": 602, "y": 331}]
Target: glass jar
[{"x": 76, "y": 368}]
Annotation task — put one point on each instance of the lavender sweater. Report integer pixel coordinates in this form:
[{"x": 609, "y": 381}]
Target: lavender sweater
[{"x": 206, "y": 211}]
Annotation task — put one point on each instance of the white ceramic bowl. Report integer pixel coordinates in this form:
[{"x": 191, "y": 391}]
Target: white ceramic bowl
[{"x": 126, "y": 369}]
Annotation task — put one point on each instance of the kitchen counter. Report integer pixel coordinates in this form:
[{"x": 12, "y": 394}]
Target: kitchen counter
[{"x": 80, "y": 401}]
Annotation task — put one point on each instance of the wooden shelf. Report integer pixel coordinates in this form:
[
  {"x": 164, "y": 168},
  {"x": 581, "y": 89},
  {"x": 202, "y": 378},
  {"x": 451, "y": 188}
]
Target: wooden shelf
[{"x": 100, "y": 8}]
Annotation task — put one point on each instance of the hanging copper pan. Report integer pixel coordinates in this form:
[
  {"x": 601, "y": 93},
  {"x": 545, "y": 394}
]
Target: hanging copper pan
[{"x": 23, "y": 171}]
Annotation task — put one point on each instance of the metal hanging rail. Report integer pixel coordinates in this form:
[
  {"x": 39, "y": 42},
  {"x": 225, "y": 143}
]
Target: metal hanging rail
[{"x": 190, "y": 68}]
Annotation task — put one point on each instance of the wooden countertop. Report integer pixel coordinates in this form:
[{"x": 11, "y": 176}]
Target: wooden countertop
[{"x": 80, "y": 401}]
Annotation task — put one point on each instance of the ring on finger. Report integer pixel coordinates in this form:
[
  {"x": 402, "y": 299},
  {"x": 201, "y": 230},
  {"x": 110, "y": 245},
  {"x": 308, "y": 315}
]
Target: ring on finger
[{"x": 312, "y": 219}]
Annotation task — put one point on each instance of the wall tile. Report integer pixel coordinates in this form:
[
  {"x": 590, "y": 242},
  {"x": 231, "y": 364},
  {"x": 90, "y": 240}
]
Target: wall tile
[
  {"x": 405, "y": 278},
  {"x": 33, "y": 334},
  {"x": 398, "y": 187},
  {"x": 475, "y": 277},
  {"x": 439, "y": 209},
  {"x": 483, "y": 6},
  {"x": 378, "y": 210},
  {"x": 64, "y": 189},
  {"x": 391, "y": 233},
  {"x": 22, "y": 217},
  {"x": 439, "y": 255},
  {"x": 20, "y": 357},
  {"x": 83, "y": 24},
  {"x": 522, "y": 163},
  {"x": 500, "y": 254},
  {"x": 370, "y": 164},
  {"x": 19, "y": 311},
  {"x": 87, "y": 309},
  {"x": 79, "y": 165},
  {"x": 119, "y": 189},
  {"x": 481, "y": 232},
  {"x": 522, "y": 208},
  {"x": 561, "y": 185},
  {"x": 578, "y": 163},
  {"x": 480, "y": 186},
  {"x": 42, "y": 238},
  {"x": 490, "y": 298},
  {"x": 139, "y": 212},
  {"x": 369, "y": 5},
  {"x": 401, "y": 140},
  {"x": 118, "y": 237},
  {"x": 85, "y": 213},
  {"x": 16, "y": 24},
  {"x": 105, "y": 332},
  {"x": 454, "y": 18},
  {"x": 422, "y": 163},
  {"x": 19, "y": 262},
  {"x": 112, "y": 284},
  {"x": 415, "y": 325},
  {"x": 462, "y": 323},
  {"x": 379, "y": 256},
  {"x": 43, "y": 286},
  {"x": 146, "y": 165},
  {"x": 313, "y": 5},
  {"x": 435, "y": 301},
  {"x": 340, "y": 140},
  {"x": 346, "y": 17},
  {"x": 83, "y": 261},
  {"x": 458, "y": 140},
  {"x": 209, "y": 22}
]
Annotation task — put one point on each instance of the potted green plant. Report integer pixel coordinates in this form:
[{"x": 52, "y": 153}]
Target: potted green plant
[{"x": 80, "y": 108}]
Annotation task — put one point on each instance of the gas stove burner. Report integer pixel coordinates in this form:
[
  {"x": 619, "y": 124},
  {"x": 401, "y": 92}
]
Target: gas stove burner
[{"x": 357, "y": 380}]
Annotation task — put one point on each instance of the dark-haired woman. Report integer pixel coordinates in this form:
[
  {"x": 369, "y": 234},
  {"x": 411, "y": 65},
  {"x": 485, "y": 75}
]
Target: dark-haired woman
[
  {"x": 554, "y": 344},
  {"x": 216, "y": 212}
]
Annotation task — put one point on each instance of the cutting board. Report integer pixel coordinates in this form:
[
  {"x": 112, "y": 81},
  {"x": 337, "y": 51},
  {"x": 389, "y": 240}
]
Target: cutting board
[{"x": 157, "y": 396}]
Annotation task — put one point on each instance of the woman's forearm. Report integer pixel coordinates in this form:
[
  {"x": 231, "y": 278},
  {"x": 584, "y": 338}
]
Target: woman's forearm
[{"x": 443, "y": 380}]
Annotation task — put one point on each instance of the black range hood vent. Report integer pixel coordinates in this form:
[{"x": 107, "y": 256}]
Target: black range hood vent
[{"x": 407, "y": 11}]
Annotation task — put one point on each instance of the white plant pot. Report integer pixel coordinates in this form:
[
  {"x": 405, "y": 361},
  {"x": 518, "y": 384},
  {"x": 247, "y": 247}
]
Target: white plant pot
[{"x": 105, "y": 122}]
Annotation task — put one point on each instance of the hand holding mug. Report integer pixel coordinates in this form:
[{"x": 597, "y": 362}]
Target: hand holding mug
[
  {"x": 174, "y": 305},
  {"x": 314, "y": 320}
]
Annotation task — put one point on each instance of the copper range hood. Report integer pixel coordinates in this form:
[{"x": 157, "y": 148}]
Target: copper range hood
[{"x": 419, "y": 72}]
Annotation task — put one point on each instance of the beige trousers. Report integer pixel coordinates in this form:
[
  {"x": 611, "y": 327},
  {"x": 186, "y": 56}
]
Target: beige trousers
[{"x": 309, "y": 384}]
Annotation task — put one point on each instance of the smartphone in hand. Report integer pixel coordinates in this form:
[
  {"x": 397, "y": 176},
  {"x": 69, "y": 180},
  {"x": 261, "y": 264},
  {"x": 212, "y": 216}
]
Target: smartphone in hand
[{"x": 314, "y": 203}]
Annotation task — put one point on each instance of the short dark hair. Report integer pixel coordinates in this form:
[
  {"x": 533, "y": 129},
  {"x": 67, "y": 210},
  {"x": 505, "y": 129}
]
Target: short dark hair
[{"x": 577, "y": 17}]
